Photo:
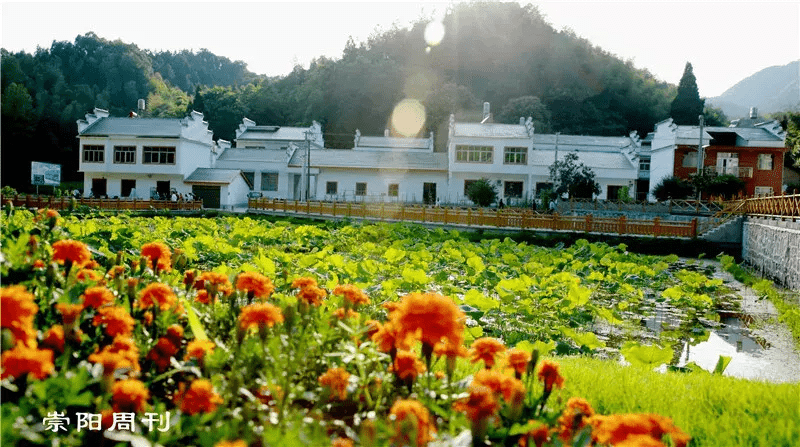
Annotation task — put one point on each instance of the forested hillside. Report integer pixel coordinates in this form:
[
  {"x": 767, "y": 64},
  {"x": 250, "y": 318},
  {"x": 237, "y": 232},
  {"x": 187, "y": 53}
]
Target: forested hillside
[{"x": 502, "y": 53}]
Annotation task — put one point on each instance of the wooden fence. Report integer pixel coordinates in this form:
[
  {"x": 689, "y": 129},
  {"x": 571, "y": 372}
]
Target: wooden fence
[
  {"x": 481, "y": 217},
  {"x": 61, "y": 203},
  {"x": 775, "y": 206}
]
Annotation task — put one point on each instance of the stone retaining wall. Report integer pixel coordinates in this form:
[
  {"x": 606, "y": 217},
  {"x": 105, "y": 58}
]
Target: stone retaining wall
[{"x": 773, "y": 247}]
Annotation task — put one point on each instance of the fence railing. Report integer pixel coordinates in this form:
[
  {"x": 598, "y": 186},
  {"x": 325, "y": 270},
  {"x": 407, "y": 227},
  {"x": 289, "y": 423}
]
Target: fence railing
[
  {"x": 775, "y": 206},
  {"x": 61, "y": 203},
  {"x": 481, "y": 217},
  {"x": 680, "y": 206}
]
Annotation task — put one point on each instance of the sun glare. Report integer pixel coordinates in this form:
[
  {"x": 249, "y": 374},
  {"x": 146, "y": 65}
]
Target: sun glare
[
  {"x": 434, "y": 33},
  {"x": 408, "y": 117}
]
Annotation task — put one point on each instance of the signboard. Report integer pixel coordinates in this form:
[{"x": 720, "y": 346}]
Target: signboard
[{"x": 45, "y": 174}]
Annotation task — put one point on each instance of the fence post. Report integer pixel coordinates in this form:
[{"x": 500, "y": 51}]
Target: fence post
[
  {"x": 694, "y": 228},
  {"x": 589, "y": 218},
  {"x": 402, "y": 212},
  {"x": 349, "y": 209},
  {"x": 423, "y": 213},
  {"x": 555, "y": 221},
  {"x": 621, "y": 229},
  {"x": 657, "y": 226},
  {"x": 445, "y": 215}
]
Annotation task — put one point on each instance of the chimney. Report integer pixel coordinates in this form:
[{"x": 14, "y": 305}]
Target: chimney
[
  {"x": 486, "y": 110},
  {"x": 385, "y": 132},
  {"x": 753, "y": 113},
  {"x": 522, "y": 121}
]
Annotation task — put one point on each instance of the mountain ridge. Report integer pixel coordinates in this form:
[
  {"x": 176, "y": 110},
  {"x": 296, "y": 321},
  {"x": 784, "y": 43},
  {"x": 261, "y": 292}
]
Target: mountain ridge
[{"x": 771, "y": 90}]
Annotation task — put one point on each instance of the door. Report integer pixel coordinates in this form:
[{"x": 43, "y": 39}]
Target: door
[
  {"x": 429, "y": 193},
  {"x": 127, "y": 187},
  {"x": 208, "y": 194},
  {"x": 99, "y": 187},
  {"x": 296, "y": 187},
  {"x": 162, "y": 188}
]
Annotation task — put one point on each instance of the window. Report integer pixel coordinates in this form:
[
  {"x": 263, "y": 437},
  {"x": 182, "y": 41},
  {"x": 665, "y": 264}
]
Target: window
[
  {"x": 515, "y": 156},
  {"x": 644, "y": 165},
  {"x": 94, "y": 154},
  {"x": 250, "y": 177},
  {"x": 394, "y": 189},
  {"x": 361, "y": 189},
  {"x": 474, "y": 154},
  {"x": 269, "y": 181},
  {"x": 763, "y": 191},
  {"x": 154, "y": 155},
  {"x": 467, "y": 184},
  {"x": 765, "y": 162},
  {"x": 331, "y": 188},
  {"x": 124, "y": 154},
  {"x": 690, "y": 160},
  {"x": 613, "y": 192},
  {"x": 512, "y": 189}
]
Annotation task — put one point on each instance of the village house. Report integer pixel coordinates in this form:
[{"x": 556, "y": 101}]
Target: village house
[{"x": 753, "y": 154}]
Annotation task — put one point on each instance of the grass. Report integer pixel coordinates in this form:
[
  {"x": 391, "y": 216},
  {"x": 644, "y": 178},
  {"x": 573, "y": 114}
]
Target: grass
[{"x": 715, "y": 410}]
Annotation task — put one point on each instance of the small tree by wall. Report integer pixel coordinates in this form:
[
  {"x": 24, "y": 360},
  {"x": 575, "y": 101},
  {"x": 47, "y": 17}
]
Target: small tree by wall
[
  {"x": 672, "y": 188},
  {"x": 482, "y": 192},
  {"x": 573, "y": 178}
]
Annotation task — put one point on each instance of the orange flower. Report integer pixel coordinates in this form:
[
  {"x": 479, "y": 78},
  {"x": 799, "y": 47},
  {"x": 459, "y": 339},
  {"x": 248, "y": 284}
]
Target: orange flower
[
  {"x": 237, "y": 443},
  {"x": 342, "y": 442},
  {"x": 71, "y": 251},
  {"x": 479, "y": 405},
  {"x": 510, "y": 388},
  {"x": 342, "y": 313},
  {"x": 69, "y": 312},
  {"x": 38, "y": 264},
  {"x": 304, "y": 282},
  {"x": 161, "y": 353},
  {"x": 373, "y": 326},
  {"x": 157, "y": 252},
  {"x": 21, "y": 359},
  {"x": 548, "y": 373},
  {"x": 435, "y": 316},
  {"x": 352, "y": 294},
  {"x": 156, "y": 294},
  {"x": 573, "y": 418},
  {"x": 121, "y": 353},
  {"x": 116, "y": 272},
  {"x": 197, "y": 349},
  {"x": 486, "y": 349},
  {"x": 54, "y": 338},
  {"x": 390, "y": 306},
  {"x": 618, "y": 428},
  {"x": 450, "y": 350},
  {"x": 311, "y": 295},
  {"x": 385, "y": 338},
  {"x": 259, "y": 315},
  {"x": 116, "y": 319},
  {"x": 129, "y": 396},
  {"x": 255, "y": 283},
  {"x": 89, "y": 275},
  {"x": 175, "y": 334},
  {"x": 199, "y": 398},
  {"x": 46, "y": 214},
  {"x": 215, "y": 283},
  {"x": 97, "y": 297},
  {"x": 518, "y": 360},
  {"x": 202, "y": 297},
  {"x": 335, "y": 379},
  {"x": 407, "y": 365},
  {"x": 16, "y": 313},
  {"x": 539, "y": 436},
  {"x": 410, "y": 416}
]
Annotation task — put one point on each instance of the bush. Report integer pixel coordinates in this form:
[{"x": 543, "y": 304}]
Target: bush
[
  {"x": 672, "y": 188},
  {"x": 482, "y": 192}
]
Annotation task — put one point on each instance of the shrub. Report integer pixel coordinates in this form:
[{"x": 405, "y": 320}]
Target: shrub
[
  {"x": 672, "y": 188},
  {"x": 482, "y": 192}
]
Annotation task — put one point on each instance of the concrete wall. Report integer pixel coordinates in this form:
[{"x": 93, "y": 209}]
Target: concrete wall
[{"x": 773, "y": 247}]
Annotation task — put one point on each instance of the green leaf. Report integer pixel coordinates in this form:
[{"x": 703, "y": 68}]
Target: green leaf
[
  {"x": 722, "y": 363},
  {"x": 394, "y": 255},
  {"x": 476, "y": 263},
  {"x": 477, "y": 299},
  {"x": 472, "y": 333},
  {"x": 538, "y": 345},
  {"x": 578, "y": 296},
  {"x": 415, "y": 276},
  {"x": 194, "y": 322},
  {"x": 587, "y": 339},
  {"x": 644, "y": 355}
]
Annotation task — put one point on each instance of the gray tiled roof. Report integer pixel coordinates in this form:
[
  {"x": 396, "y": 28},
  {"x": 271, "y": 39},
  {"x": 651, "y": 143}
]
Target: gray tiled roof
[
  {"x": 578, "y": 142},
  {"x": 348, "y": 158},
  {"x": 141, "y": 127},
  {"x": 273, "y": 133},
  {"x": 211, "y": 175},
  {"x": 689, "y": 134},
  {"x": 393, "y": 142},
  {"x": 490, "y": 130},
  {"x": 592, "y": 159},
  {"x": 252, "y": 155}
]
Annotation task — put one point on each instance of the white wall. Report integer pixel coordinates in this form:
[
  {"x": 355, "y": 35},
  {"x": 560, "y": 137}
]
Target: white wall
[
  {"x": 410, "y": 184},
  {"x": 662, "y": 162}
]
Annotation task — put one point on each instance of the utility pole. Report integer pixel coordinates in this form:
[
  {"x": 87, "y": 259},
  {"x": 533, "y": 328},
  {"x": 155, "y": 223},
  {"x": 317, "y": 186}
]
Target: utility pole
[
  {"x": 700, "y": 155},
  {"x": 308, "y": 165}
]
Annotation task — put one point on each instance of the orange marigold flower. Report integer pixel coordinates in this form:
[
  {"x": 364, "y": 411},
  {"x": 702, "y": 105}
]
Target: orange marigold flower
[
  {"x": 89, "y": 275},
  {"x": 450, "y": 350},
  {"x": 304, "y": 282},
  {"x": 73, "y": 251},
  {"x": 197, "y": 349},
  {"x": 479, "y": 405},
  {"x": 116, "y": 272},
  {"x": 69, "y": 312},
  {"x": 54, "y": 338},
  {"x": 312, "y": 295},
  {"x": 549, "y": 374},
  {"x": 156, "y": 294},
  {"x": 433, "y": 315},
  {"x": 175, "y": 334},
  {"x": 202, "y": 297},
  {"x": 129, "y": 396},
  {"x": 391, "y": 306},
  {"x": 618, "y": 428},
  {"x": 38, "y": 264},
  {"x": 342, "y": 313},
  {"x": 352, "y": 294},
  {"x": 160, "y": 254},
  {"x": 116, "y": 319},
  {"x": 538, "y": 436},
  {"x": 258, "y": 315},
  {"x": 574, "y": 418},
  {"x": 385, "y": 338},
  {"x": 373, "y": 326},
  {"x": 17, "y": 309},
  {"x": 255, "y": 283},
  {"x": 342, "y": 442},
  {"x": 336, "y": 379},
  {"x": 21, "y": 359},
  {"x": 200, "y": 398},
  {"x": 46, "y": 213},
  {"x": 215, "y": 283},
  {"x": 510, "y": 388},
  {"x": 517, "y": 359},
  {"x": 237, "y": 443},
  {"x": 161, "y": 353},
  {"x": 97, "y": 297},
  {"x": 148, "y": 318},
  {"x": 410, "y": 416},
  {"x": 407, "y": 365},
  {"x": 486, "y": 349},
  {"x": 121, "y": 353}
]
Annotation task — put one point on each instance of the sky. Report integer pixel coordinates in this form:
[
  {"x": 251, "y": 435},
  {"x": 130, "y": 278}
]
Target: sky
[{"x": 725, "y": 41}]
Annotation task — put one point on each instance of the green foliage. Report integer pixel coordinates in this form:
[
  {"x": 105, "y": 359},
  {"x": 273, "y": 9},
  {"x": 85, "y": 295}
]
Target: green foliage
[
  {"x": 482, "y": 192},
  {"x": 573, "y": 178},
  {"x": 714, "y": 116},
  {"x": 714, "y": 185},
  {"x": 687, "y": 105},
  {"x": 672, "y": 188},
  {"x": 527, "y": 107}
]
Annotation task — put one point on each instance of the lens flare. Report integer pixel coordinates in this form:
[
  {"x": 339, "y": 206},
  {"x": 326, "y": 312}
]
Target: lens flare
[
  {"x": 434, "y": 33},
  {"x": 408, "y": 117}
]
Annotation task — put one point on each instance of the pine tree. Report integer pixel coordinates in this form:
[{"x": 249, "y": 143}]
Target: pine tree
[{"x": 687, "y": 105}]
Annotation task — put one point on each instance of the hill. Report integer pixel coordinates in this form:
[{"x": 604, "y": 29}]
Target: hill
[{"x": 773, "y": 89}]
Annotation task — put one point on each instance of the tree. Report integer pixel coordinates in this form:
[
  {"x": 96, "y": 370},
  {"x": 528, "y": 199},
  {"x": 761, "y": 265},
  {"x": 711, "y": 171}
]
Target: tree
[
  {"x": 714, "y": 116},
  {"x": 672, "y": 188},
  {"x": 573, "y": 178},
  {"x": 524, "y": 107},
  {"x": 687, "y": 105},
  {"x": 482, "y": 192}
]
